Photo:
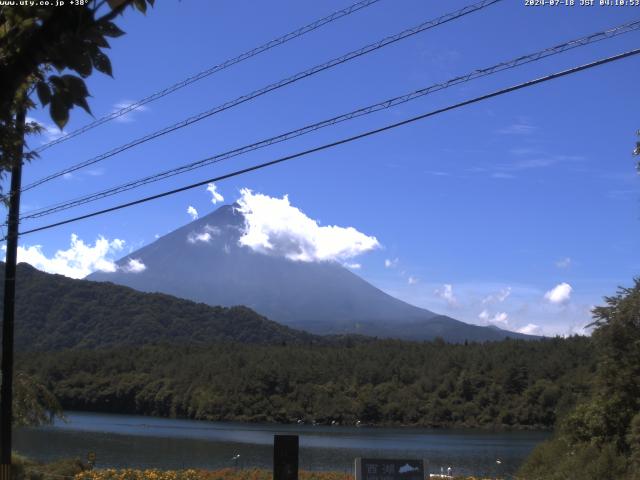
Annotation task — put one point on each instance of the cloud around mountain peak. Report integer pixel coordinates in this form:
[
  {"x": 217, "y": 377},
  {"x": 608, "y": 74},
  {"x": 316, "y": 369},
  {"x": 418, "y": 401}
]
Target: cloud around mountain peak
[{"x": 274, "y": 226}]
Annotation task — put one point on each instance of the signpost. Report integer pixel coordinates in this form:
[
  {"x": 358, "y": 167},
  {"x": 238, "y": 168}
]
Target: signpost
[
  {"x": 390, "y": 469},
  {"x": 285, "y": 457}
]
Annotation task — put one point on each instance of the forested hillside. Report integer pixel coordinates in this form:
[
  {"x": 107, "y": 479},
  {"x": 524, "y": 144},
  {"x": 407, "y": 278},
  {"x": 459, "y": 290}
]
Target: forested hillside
[
  {"x": 600, "y": 438},
  {"x": 54, "y": 312},
  {"x": 513, "y": 383}
]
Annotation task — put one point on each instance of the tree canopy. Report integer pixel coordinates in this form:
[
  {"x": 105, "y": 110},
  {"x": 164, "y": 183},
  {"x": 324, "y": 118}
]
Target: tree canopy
[
  {"x": 51, "y": 50},
  {"x": 601, "y": 437},
  {"x": 508, "y": 384}
]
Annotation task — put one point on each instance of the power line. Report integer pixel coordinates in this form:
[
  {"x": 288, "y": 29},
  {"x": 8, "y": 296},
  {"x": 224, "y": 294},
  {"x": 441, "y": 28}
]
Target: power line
[
  {"x": 389, "y": 103},
  {"x": 214, "y": 69},
  {"x": 271, "y": 87},
  {"x": 343, "y": 141}
]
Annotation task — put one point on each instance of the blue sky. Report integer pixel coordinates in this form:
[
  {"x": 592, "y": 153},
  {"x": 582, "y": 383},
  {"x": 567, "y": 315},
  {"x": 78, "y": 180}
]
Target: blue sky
[{"x": 520, "y": 211}]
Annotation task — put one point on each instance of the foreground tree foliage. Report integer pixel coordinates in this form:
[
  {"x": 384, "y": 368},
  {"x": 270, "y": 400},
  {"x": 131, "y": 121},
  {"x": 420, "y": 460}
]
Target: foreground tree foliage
[
  {"x": 512, "y": 384},
  {"x": 33, "y": 402},
  {"x": 601, "y": 437},
  {"x": 51, "y": 50}
]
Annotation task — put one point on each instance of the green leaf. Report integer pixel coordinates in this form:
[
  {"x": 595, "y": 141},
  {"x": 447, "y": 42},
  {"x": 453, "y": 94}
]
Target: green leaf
[
  {"x": 116, "y": 3},
  {"x": 77, "y": 91},
  {"x": 94, "y": 34},
  {"x": 101, "y": 61},
  {"x": 141, "y": 5},
  {"x": 82, "y": 102},
  {"x": 75, "y": 85},
  {"x": 58, "y": 64},
  {"x": 44, "y": 93},
  {"x": 59, "y": 111},
  {"x": 110, "y": 29},
  {"x": 58, "y": 84},
  {"x": 80, "y": 61},
  {"x": 100, "y": 41}
]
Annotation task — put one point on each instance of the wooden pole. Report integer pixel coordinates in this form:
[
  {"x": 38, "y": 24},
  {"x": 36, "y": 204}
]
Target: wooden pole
[{"x": 6, "y": 390}]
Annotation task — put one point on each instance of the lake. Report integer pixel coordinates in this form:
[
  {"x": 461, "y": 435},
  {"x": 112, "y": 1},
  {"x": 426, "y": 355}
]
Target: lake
[{"x": 146, "y": 442}]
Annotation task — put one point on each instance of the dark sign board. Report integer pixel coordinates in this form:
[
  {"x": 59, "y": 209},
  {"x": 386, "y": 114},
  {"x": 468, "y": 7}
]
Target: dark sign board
[
  {"x": 389, "y": 469},
  {"x": 285, "y": 457}
]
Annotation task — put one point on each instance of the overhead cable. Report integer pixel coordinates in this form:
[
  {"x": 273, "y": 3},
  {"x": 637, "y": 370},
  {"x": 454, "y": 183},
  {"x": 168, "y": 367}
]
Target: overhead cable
[
  {"x": 383, "y": 105},
  {"x": 271, "y": 87},
  {"x": 353, "y": 138}
]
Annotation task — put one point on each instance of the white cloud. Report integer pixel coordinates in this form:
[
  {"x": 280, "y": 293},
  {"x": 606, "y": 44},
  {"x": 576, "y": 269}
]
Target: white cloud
[
  {"x": 353, "y": 266},
  {"x": 391, "y": 262},
  {"x": 215, "y": 195},
  {"x": 519, "y": 128},
  {"x": 129, "y": 116},
  {"x": 192, "y": 212},
  {"x": 502, "y": 175},
  {"x": 274, "y": 226},
  {"x": 49, "y": 131},
  {"x": 76, "y": 262},
  {"x": 540, "y": 161},
  {"x": 134, "y": 265},
  {"x": 559, "y": 294},
  {"x": 446, "y": 293},
  {"x": 412, "y": 280},
  {"x": 95, "y": 172},
  {"x": 498, "y": 297},
  {"x": 501, "y": 318},
  {"x": 563, "y": 262},
  {"x": 205, "y": 236},
  {"x": 531, "y": 329},
  {"x": 579, "y": 329}
]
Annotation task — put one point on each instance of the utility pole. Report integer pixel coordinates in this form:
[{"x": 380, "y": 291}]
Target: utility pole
[{"x": 6, "y": 390}]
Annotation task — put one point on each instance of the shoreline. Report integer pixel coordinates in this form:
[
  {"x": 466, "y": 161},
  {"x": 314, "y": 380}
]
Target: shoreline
[{"x": 495, "y": 428}]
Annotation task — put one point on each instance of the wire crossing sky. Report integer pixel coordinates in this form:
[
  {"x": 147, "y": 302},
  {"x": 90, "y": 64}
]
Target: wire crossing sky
[
  {"x": 212, "y": 70},
  {"x": 519, "y": 212},
  {"x": 342, "y": 141},
  {"x": 372, "y": 47},
  {"x": 388, "y": 103}
]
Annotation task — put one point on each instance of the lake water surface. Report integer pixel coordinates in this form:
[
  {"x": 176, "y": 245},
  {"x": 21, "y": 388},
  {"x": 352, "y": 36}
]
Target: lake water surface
[{"x": 136, "y": 441}]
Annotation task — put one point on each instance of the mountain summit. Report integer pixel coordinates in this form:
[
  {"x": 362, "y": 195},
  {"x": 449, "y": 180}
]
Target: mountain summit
[{"x": 204, "y": 261}]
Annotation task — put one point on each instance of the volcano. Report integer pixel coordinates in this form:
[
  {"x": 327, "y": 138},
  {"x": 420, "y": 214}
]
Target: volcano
[{"x": 204, "y": 261}]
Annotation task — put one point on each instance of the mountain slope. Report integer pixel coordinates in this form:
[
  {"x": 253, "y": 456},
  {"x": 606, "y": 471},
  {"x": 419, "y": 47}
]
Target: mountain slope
[
  {"x": 55, "y": 312},
  {"x": 204, "y": 262}
]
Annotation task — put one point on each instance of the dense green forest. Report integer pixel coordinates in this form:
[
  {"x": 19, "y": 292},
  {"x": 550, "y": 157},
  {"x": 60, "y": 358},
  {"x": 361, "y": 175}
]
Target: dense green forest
[
  {"x": 514, "y": 383},
  {"x": 600, "y": 438},
  {"x": 57, "y": 312}
]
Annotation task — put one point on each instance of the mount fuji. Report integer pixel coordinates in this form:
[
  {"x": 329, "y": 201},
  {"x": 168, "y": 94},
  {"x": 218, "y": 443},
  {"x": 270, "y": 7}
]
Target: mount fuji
[{"x": 204, "y": 261}]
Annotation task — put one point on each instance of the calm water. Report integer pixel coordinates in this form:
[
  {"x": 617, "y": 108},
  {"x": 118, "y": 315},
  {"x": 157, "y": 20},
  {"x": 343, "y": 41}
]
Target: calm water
[{"x": 134, "y": 441}]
